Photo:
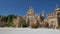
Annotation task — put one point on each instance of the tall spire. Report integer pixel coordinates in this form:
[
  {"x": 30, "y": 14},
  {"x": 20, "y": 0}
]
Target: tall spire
[
  {"x": 31, "y": 10},
  {"x": 56, "y": 5},
  {"x": 57, "y": 8},
  {"x": 43, "y": 13}
]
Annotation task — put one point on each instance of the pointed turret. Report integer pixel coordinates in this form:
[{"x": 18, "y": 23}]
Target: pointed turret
[
  {"x": 56, "y": 5},
  {"x": 43, "y": 13},
  {"x": 39, "y": 17},
  {"x": 30, "y": 11},
  {"x": 57, "y": 8}
]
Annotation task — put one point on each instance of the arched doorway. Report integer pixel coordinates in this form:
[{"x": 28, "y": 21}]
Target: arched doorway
[{"x": 52, "y": 24}]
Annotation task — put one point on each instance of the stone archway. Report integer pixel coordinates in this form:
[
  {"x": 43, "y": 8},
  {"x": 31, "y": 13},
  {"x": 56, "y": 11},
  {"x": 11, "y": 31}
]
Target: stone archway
[{"x": 52, "y": 24}]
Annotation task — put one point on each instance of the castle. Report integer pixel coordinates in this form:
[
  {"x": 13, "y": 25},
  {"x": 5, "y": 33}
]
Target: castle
[
  {"x": 32, "y": 18},
  {"x": 53, "y": 20}
]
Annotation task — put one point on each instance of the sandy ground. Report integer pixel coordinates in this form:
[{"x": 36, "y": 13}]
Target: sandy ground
[{"x": 28, "y": 31}]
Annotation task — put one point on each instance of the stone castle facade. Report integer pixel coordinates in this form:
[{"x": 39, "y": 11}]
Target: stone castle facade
[
  {"x": 31, "y": 18},
  {"x": 53, "y": 20}
]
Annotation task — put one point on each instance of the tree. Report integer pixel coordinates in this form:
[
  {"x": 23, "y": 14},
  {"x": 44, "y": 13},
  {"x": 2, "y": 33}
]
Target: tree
[{"x": 10, "y": 20}]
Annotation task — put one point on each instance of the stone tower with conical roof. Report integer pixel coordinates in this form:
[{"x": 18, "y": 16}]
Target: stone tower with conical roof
[
  {"x": 43, "y": 13},
  {"x": 30, "y": 16},
  {"x": 57, "y": 12},
  {"x": 54, "y": 19}
]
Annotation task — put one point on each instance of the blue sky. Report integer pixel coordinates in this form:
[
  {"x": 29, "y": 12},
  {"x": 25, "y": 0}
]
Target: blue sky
[{"x": 20, "y": 7}]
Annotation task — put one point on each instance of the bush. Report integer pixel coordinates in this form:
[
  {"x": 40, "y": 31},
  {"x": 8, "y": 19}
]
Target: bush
[{"x": 34, "y": 26}]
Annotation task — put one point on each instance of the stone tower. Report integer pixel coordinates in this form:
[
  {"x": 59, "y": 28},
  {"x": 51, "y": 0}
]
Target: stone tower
[
  {"x": 54, "y": 19},
  {"x": 30, "y": 16},
  {"x": 57, "y": 12},
  {"x": 43, "y": 15}
]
